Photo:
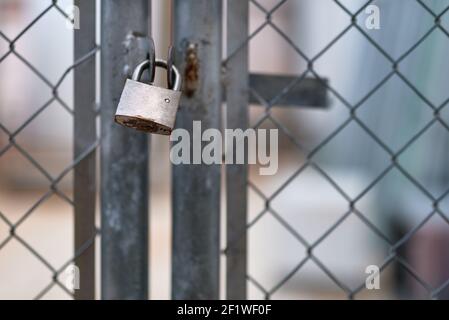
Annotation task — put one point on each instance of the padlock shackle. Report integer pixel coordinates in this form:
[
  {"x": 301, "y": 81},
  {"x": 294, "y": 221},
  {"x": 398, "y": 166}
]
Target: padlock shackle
[{"x": 137, "y": 74}]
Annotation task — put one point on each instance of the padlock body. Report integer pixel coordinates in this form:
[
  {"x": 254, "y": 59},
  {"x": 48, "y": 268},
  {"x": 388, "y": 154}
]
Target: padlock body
[{"x": 147, "y": 108}]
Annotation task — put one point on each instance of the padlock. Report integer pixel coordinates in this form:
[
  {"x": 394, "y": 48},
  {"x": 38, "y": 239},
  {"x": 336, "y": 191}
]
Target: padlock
[{"x": 146, "y": 107}]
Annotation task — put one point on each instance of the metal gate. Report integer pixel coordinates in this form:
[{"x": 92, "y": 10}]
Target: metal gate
[{"x": 211, "y": 247}]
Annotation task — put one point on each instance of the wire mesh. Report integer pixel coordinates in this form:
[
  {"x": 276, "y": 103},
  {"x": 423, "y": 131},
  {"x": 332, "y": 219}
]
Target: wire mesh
[
  {"x": 393, "y": 154},
  {"x": 53, "y": 180}
]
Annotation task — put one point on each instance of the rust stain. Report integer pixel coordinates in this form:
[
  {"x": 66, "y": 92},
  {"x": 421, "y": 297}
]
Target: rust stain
[
  {"x": 191, "y": 73},
  {"x": 141, "y": 123}
]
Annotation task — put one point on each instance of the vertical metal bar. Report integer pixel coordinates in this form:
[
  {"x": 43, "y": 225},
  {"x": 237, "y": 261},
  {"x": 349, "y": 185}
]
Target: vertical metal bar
[
  {"x": 124, "y": 156},
  {"x": 196, "y": 187},
  {"x": 84, "y": 137},
  {"x": 237, "y": 82}
]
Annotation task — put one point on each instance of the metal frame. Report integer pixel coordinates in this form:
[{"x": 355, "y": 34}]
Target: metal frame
[
  {"x": 85, "y": 135},
  {"x": 196, "y": 188},
  {"x": 124, "y": 156},
  {"x": 237, "y": 97}
]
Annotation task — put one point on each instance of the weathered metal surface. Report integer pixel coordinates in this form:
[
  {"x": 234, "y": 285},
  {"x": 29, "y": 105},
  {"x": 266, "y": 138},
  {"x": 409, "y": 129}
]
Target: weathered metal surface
[
  {"x": 124, "y": 156},
  {"x": 196, "y": 187},
  {"x": 236, "y": 174},
  {"x": 85, "y": 136}
]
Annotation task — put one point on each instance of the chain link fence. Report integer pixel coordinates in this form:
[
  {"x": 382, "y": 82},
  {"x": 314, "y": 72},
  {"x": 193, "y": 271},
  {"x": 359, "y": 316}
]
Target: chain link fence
[
  {"x": 274, "y": 207},
  {"x": 394, "y": 66}
]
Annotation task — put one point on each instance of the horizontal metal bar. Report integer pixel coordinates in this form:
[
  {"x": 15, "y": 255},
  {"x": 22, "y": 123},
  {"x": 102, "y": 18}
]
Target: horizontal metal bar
[
  {"x": 84, "y": 136},
  {"x": 307, "y": 93}
]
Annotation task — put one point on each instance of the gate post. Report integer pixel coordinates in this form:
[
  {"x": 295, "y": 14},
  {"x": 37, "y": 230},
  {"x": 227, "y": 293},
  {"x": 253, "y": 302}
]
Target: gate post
[
  {"x": 196, "y": 187},
  {"x": 85, "y": 137},
  {"x": 237, "y": 117},
  {"x": 124, "y": 156}
]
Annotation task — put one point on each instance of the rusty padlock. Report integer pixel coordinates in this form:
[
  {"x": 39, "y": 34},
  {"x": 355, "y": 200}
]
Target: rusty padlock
[{"x": 146, "y": 107}]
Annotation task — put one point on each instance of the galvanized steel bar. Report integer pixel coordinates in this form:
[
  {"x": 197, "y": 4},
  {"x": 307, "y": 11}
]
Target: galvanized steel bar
[
  {"x": 288, "y": 91},
  {"x": 196, "y": 187},
  {"x": 237, "y": 86},
  {"x": 85, "y": 137},
  {"x": 124, "y": 156}
]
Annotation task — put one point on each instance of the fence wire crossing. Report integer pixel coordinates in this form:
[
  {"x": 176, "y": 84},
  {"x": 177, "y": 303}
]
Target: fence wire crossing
[
  {"x": 352, "y": 118},
  {"x": 53, "y": 181}
]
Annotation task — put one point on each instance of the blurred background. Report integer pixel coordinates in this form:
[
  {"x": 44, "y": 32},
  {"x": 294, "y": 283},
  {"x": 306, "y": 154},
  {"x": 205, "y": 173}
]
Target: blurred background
[{"x": 404, "y": 203}]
